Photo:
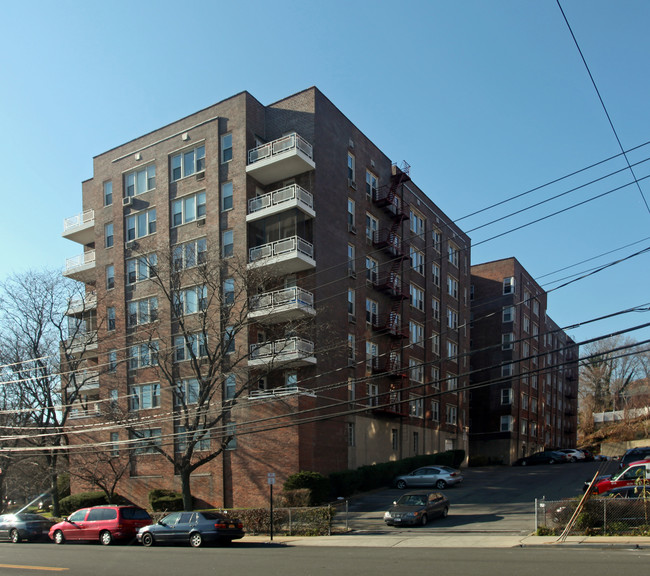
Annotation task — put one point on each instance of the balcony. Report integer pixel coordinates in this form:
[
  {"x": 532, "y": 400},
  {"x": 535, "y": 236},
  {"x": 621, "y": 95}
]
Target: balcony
[
  {"x": 81, "y": 268},
  {"x": 78, "y": 306},
  {"x": 80, "y": 228},
  {"x": 282, "y": 305},
  {"x": 82, "y": 342},
  {"x": 280, "y": 392},
  {"x": 289, "y": 255},
  {"x": 295, "y": 351},
  {"x": 283, "y": 158},
  {"x": 84, "y": 381},
  {"x": 90, "y": 410},
  {"x": 292, "y": 196}
]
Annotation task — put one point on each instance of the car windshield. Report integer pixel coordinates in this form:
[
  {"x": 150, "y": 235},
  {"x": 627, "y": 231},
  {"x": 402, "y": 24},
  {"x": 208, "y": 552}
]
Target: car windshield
[
  {"x": 212, "y": 516},
  {"x": 135, "y": 514},
  {"x": 412, "y": 500}
]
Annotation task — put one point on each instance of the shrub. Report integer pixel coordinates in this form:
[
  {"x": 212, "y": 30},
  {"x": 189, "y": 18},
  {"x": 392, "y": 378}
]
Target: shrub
[
  {"x": 318, "y": 485},
  {"x": 165, "y": 500},
  {"x": 73, "y": 502},
  {"x": 295, "y": 498}
]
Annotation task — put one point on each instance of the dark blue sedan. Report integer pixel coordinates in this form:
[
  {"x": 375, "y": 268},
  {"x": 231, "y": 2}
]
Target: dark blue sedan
[
  {"x": 195, "y": 528},
  {"x": 23, "y": 526}
]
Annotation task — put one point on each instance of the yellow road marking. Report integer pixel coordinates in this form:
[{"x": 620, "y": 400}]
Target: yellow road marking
[{"x": 19, "y": 567}]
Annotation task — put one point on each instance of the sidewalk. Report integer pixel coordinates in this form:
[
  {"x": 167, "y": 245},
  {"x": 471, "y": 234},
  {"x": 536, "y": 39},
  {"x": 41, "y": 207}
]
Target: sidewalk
[{"x": 437, "y": 540}]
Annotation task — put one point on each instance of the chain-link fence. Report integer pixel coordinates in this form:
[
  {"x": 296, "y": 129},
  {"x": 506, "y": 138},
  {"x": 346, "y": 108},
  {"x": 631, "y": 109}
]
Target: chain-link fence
[{"x": 609, "y": 516}]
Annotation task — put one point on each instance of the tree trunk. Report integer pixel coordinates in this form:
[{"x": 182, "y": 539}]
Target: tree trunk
[
  {"x": 54, "y": 478},
  {"x": 186, "y": 490}
]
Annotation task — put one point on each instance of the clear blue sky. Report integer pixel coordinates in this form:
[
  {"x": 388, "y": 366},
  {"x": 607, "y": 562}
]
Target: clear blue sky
[{"x": 485, "y": 100}]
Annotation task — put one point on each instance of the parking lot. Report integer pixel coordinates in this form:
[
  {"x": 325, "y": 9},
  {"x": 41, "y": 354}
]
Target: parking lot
[{"x": 498, "y": 499}]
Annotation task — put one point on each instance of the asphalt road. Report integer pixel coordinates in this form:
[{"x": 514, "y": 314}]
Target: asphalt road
[{"x": 498, "y": 499}]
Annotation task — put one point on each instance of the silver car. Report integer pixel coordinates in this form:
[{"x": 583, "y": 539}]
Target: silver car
[{"x": 438, "y": 476}]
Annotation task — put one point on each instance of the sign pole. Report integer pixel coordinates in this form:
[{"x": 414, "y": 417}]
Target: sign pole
[{"x": 270, "y": 478}]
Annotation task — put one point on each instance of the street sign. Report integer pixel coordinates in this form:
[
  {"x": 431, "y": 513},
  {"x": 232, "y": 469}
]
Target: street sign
[{"x": 270, "y": 478}]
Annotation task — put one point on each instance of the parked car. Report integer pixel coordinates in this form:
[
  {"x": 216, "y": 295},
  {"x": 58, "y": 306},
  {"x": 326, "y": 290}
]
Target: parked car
[
  {"x": 634, "y": 455},
  {"x": 438, "y": 476},
  {"x": 417, "y": 508},
  {"x": 589, "y": 456},
  {"x": 628, "y": 492},
  {"x": 573, "y": 454},
  {"x": 545, "y": 457},
  {"x": 23, "y": 526},
  {"x": 636, "y": 473},
  {"x": 195, "y": 528},
  {"x": 102, "y": 523}
]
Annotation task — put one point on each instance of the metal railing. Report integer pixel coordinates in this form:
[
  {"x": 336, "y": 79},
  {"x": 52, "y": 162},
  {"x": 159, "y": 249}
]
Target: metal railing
[
  {"x": 277, "y": 197},
  {"x": 280, "y": 248},
  {"x": 291, "y": 141},
  {"x": 270, "y": 300},
  {"x": 78, "y": 220},
  {"x": 80, "y": 261},
  {"x": 279, "y": 348}
]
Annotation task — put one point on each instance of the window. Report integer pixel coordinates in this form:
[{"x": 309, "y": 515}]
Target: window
[
  {"x": 115, "y": 450},
  {"x": 372, "y": 354},
  {"x": 141, "y": 224},
  {"x": 110, "y": 277},
  {"x": 533, "y": 405},
  {"x": 435, "y": 270},
  {"x": 452, "y": 382},
  {"x": 535, "y": 331},
  {"x": 416, "y": 406},
  {"x": 227, "y": 244},
  {"x": 437, "y": 239},
  {"x": 350, "y": 168},
  {"x": 147, "y": 440},
  {"x": 372, "y": 270},
  {"x": 524, "y": 427},
  {"x": 112, "y": 360},
  {"x": 394, "y": 439},
  {"x": 143, "y": 355},
  {"x": 231, "y": 433},
  {"x": 226, "y": 148},
  {"x": 452, "y": 319},
  {"x": 142, "y": 311},
  {"x": 141, "y": 268},
  {"x": 191, "y": 300},
  {"x": 452, "y": 415},
  {"x": 536, "y": 307},
  {"x": 188, "y": 208},
  {"x": 372, "y": 184},
  {"x": 351, "y": 349},
  {"x": 189, "y": 254},
  {"x": 190, "y": 346},
  {"x": 228, "y": 297},
  {"x": 507, "y": 341},
  {"x": 140, "y": 181},
  {"x": 524, "y": 401},
  {"x": 186, "y": 392},
  {"x": 351, "y": 434},
  {"x": 452, "y": 254},
  {"x": 229, "y": 386},
  {"x": 229, "y": 340},
  {"x": 351, "y": 219},
  {"x": 506, "y": 424},
  {"x": 416, "y": 223},
  {"x": 435, "y": 377},
  {"x": 526, "y": 324},
  {"x": 509, "y": 285},
  {"x": 226, "y": 196},
  {"x": 417, "y": 261},
  {"x": 435, "y": 306},
  {"x": 108, "y": 235},
  {"x": 417, "y": 297},
  {"x": 371, "y": 312},
  {"x": 110, "y": 318},
  {"x": 351, "y": 301},
  {"x": 435, "y": 410},
  {"x": 351, "y": 259},
  {"x": 533, "y": 428},
  {"x": 145, "y": 396},
  {"x": 416, "y": 332},
  {"x": 108, "y": 193},
  {"x": 506, "y": 370},
  {"x": 416, "y": 370},
  {"x": 508, "y": 314},
  {"x": 200, "y": 436},
  {"x": 373, "y": 394},
  {"x": 372, "y": 225},
  {"x": 452, "y": 287},
  {"x": 435, "y": 343},
  {"x": 452, "y": 351},
  {"x": 506, "y": 396},
  {"x": 187, "y": 163}
]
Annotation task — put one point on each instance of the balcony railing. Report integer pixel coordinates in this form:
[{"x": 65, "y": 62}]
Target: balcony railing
[
  {"x": 78, "y": 267},
  {"x": 282, "y": 305},
  {"x": 82, "y": 342},
  {"x": 80, "y": 228},
  {"x": 293, "y": 349},
  {"x": 282, "y": 199},
  {"x": 291, "y": 254},
  {"x": 280, "y": 391},
  {"x": 280, "y": 159},
  {"x": 282, "y": 145},
  {"x": 84, "y": 380},
  {"x": 79, "y": 305}
]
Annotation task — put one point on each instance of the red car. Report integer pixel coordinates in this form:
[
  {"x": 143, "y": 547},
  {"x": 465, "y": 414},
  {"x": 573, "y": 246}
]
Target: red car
[
  {"x": 636, "y": 473},
  {"x": 101, "y": 523}
]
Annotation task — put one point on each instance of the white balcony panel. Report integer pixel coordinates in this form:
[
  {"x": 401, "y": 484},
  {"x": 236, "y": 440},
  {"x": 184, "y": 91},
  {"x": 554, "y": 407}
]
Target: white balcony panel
[
  {"x": 288, "y": 255},
  {"x": 294, "y": 351},
  {"x": 85, "y": 380},
  {"x": 85, "y": 342},
  {"x": 283, "y": 158},
  {"x": 282, "y": 306},
  {"x": 286, "y": 198},
  {"x": 81, "y": 268},
  {"x": 80, "y": 228},
  {"x": 77, "y": 306}
]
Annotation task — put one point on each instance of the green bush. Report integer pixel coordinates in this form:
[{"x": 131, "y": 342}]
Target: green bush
[
  {"x": 165, "y": 500},
  {"x": 73, "y": 502},
  {"x": 317, "y": 484},
  {"x": 290, "y": 522}
]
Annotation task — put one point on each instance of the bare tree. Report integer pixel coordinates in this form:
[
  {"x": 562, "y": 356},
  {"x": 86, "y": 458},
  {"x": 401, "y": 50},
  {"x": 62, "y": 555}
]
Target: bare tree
[
  {"x": 42, "y": 350},
  {"x": 101, "y": 468}
]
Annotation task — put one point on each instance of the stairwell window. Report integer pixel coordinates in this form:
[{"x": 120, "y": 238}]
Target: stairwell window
[
  {"x": 506, "y": 424},
  {"x": 508, "y": 314},
  {"x": 187, "y": 163},
  {"x": 110, "y": 318},
  {"x": 108, "y": 235},
  {"x": 226, "y": 196},
  {"x": 227, "y": 244},
  {"x": 108, "y": 193},
  {"x": 351, "y": 175},
  {"x": 226, "y": 148},
  {"x": 110, "y": 277},
  {"x": 188, "y": 209},
  {"x": 140, "y": 181}
]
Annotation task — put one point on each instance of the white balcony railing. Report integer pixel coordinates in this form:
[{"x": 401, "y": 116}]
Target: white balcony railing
[
  {"x": 283, "y": 247},
  {"x": 286, "y": 195},
  {"x": 79, "y": 264},
  {"x": 269, "y": 301},
  {"x": 294, "y": 348},
  {"x": 280, "y": 391},
  {"x": 282, "y": 145},
  {"x": 73, "y": 222}
]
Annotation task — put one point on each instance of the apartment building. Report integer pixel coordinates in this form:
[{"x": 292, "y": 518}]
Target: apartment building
[
  {"x": 524, "y": 380},
  {"x": 264, "y": 286}
]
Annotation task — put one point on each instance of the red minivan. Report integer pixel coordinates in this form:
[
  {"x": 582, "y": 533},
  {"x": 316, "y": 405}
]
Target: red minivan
[
  {"x": 635, "y": 474},
  {"x": 103, "y": 523}
]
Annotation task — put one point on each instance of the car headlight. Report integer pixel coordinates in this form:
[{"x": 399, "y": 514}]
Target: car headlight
[{"x": 387, "y": 515}]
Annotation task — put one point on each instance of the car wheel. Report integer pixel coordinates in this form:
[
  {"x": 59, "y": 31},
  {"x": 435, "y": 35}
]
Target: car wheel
[
  {"x": 423, "y": 520},
  {"x": 401, "y": 484},
  {"x": 15, "y": 536},
  {"x": 147, "y": 539},
  {"x": 195, "y": 540},
  {"x": 574, "y": 459},
  {"x": 59, "y": 538},
  {"x": 445, "y": 512},
  {"x": 524, "y": 463},
  {"x": 441, "y": 484},
  {"x": 105, "y": 537},
  {"x": 551, "y": 461}
]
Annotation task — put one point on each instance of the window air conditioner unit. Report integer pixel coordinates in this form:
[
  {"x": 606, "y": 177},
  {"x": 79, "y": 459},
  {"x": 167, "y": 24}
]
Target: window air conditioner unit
[
  {"x": 352, "y": 273},
  {"x": 200, "y": 222},
  {"x": 352, "y": 184},
  {"x": 352, "y": 228},
  {"x": 127, "y": 201},
  {"x": 200, "y": 175},
  {"x": 130, "y": 245}
]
